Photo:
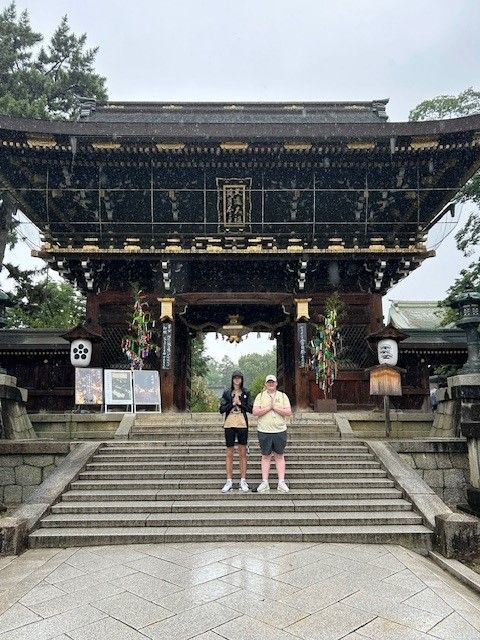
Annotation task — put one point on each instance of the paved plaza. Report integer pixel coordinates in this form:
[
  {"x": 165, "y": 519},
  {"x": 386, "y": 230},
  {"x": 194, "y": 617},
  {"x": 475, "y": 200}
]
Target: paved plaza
[{"x": 237, "y": 591}]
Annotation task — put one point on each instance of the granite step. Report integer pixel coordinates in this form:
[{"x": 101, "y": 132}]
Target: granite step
[
  {"x": 214, "y": 494},
  {"x": 249, "y": 519},
  {"x": 231, "y": 505},
  {"x": 207, "y": 474},
  {"x": 100, "y": 465},
  {"x": 195, "y": 458},
  {"x": 417, "y": 537},
  {"x": 181, "y": 484}
]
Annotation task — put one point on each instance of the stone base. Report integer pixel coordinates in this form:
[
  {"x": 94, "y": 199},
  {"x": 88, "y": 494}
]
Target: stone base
[
  {"x": 457, "y": 535},
  {"x": 16, "y": 424},
  {"x": 326, "y": 406}
]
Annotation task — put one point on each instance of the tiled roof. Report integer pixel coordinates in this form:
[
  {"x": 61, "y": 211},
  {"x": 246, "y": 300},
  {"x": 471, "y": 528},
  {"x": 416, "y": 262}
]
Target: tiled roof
[{"x": 425, "y": 314}]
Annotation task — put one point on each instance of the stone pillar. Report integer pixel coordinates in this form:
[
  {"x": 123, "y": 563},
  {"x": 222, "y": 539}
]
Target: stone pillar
[{"x": 15, "y": 423}]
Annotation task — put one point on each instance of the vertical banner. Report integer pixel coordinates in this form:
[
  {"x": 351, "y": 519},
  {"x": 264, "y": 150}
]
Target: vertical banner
[
  {"x": 118, "y": 387},
  {"x": 88, "y": 386},
  {"x": 302, "y": 344},
  {"x": 167, "y": 332},
  {"x": 146, "y": 388}
]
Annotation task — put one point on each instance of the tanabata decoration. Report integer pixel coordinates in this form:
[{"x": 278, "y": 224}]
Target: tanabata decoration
[
  {"x": 324, "y": 346},
  {"x": 138, "y": 345}
]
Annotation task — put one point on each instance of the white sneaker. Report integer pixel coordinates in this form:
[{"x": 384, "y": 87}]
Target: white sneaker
[
  {"x": 244, "y": 485},
  {"x": 228, "y": 486},
  {"x": 283, "y": 487},
  {"x": 263, "y": 487}
]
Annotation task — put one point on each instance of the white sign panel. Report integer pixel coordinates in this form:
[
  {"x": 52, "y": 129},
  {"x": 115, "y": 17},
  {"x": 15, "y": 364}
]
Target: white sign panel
[
  {"x": 88, "y": 386},
  {"x": 146, "y": 387},
  {"x": 118, "y": 386}
]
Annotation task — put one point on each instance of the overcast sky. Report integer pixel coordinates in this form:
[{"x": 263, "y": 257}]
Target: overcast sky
[{"x": 285, "y": 50}]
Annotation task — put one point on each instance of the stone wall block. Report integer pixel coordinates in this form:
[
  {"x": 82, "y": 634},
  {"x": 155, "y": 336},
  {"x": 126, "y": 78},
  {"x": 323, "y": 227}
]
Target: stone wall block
[
  {"x": 454, "y": 478},
  {"x": 434, "y": 478},
  {"x": 27, "y": 475},
  {"x": 7, "y": 476},
  {"x": 454, "y": 496},
  {"x": 10, "y": 461},
  {"x": 39, "y": 460},
  {"x": 459, "y": 461},
  {"x": 424, "y": 461},
  {"x": 12, "y": 494},
  {"x": 443, "y": 461}
]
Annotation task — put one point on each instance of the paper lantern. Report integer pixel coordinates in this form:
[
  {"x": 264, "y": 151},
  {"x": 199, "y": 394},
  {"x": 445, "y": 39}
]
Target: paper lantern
[
  {"x": 387, "y": 351},
  {"x": 81, "y": 352}
]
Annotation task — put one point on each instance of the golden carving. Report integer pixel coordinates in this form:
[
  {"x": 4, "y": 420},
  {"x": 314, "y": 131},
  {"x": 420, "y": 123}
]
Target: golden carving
[
  {"x": 166, "y": 308},
  {"x": 361, "y": 145},
  {"x": 46, "y": 142},
  {"x": 234, "y": 146},
  {"x": 424, "y": 143},
  {"x": 170, "y": 146},
  {"x": 106, "y": 145},
  {"x": 303, "y": 313}
]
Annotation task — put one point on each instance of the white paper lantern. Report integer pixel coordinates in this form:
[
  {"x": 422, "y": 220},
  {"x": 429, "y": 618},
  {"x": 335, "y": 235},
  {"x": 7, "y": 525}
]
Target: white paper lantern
[
  {"x": 81, "y": 352},
  {"x": 387, "y": 351}
]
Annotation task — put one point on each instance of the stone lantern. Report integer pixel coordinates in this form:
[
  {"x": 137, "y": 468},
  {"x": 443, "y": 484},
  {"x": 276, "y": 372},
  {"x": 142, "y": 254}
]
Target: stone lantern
[
  {"x": 465, "y": 390},
  {"x": 468, "y": 305},
  {"x": 4, "y": 303}
]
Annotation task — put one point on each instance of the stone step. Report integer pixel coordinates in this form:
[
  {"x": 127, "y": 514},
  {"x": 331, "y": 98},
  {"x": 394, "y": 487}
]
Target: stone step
[
  {"x": 220, "y": 464},
  {"x": 214, "y": 494},
  {"x": 230, "y": 505},
  {"x": 184, "y": 448},
  {"x": 269, "y": 519},
  {"x": 207, "y": 474},
  {"x": 300, "y": 483},
  {"x": 217, "y": 439},
  {"x": 414, "y": 536},
  {"x": 195, "y": 458}
]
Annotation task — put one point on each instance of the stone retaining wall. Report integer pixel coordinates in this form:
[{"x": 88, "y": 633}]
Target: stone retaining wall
[
  {"x": 442, "y": 464},
  {"x": 25, "y": 465}
]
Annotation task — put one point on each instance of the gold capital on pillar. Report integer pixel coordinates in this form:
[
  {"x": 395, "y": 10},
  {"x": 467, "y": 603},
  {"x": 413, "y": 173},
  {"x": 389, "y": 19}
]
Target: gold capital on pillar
[
  {"x": 303, "y": 313},
  {"x": 166, "y": 309}
]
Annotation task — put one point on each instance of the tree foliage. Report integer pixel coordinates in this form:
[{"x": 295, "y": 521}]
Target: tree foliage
[
  {"x": 40, "y": 80},
  {"x": 468, "y": 238},
  {"x": 39, "y": 302}
]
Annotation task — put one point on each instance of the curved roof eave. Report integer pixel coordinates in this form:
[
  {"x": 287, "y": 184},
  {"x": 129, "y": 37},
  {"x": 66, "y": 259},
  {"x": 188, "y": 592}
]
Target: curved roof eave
[{"x": 225, "y": 131}]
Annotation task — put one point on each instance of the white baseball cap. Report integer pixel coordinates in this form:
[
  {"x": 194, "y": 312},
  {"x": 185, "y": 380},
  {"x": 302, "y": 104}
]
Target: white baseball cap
[{"x": 271, "y": 378}]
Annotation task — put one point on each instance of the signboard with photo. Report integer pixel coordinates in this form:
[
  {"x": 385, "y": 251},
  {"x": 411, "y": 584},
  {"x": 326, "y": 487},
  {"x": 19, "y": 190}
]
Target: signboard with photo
[
  {"x": 118, "y": 387},
  {"x": 88, "y": 386},
  {"x": 146, "y": 388}
]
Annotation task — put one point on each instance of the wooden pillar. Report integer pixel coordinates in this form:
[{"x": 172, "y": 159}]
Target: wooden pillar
[{"x": 295, "y": 376}]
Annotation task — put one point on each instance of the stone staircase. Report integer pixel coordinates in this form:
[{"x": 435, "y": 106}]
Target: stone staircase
[{"x": 167, "y": 489}]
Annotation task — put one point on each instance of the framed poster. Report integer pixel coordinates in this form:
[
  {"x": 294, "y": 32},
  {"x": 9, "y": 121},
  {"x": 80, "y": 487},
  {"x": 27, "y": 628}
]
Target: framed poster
[
  {"x": 118, "y": 386},
  {"x": 146, "y": 388},
  {"x": 88, "y": 385}
]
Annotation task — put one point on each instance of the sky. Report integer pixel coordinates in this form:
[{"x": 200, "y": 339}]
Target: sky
[{"x": 284, "y": 50}]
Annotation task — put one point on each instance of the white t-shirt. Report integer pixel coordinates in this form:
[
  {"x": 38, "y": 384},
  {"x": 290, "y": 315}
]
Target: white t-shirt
[{"x": 272, "y": 422}]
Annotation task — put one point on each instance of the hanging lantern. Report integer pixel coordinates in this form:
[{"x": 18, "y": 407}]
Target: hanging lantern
[{"x": 387, "y": 351}]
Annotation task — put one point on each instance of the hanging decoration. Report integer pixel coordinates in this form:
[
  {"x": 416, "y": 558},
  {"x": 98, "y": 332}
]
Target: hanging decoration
[
  {"x": 138, "y": 345},
  {"x": 325, "y": 345}
]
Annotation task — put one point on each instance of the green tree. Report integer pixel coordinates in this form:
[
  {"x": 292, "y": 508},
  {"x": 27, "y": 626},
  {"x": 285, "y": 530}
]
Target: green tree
[
  {"x": 200, "y": 360},
  {"x": 203, "y": 399},
  {"x": 44, "y": 80},
  {"x": 468, "y": 238},
  {"x": 40, "y": 302},
  {"x": 257, "y": 366}
]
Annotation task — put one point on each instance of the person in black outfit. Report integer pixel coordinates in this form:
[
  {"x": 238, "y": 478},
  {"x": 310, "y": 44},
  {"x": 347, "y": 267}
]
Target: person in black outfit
[{"x": 235, "y": 404}]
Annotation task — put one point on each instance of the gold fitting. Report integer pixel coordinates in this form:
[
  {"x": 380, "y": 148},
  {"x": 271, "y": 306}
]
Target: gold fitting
[
  {"x": 105, "y": 145},
  {"x": 297, "y": 146},
  {"x": 302, "y": 309},
  {"x": 234, "y": 146},
  {"x": 423, "y": 143},
  {"x": 45, "y": 142},
  {"x": 170, "y": 146},
  {"x": 166, "y": 308},
  {"x": 361, "y": 145}
]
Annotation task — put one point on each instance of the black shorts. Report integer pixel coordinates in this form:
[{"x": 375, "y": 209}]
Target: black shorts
[
  {"x": 272, "y": 442},
  {"x": 232, "y": 433}
]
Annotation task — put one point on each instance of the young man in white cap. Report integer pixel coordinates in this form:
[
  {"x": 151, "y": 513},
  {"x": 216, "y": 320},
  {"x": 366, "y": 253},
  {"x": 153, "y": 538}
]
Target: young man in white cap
[{"x": 272, "y": 407}]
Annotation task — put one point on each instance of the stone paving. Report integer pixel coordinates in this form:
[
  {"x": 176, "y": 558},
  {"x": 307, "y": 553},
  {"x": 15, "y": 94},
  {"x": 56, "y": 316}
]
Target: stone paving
[{"x": 236, "y": 591}]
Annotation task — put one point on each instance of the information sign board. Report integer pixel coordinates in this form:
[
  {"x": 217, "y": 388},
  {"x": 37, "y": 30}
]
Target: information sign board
[
  {"x": 88, "y": 385},
  {"x": 118, "y": 386},
  {"x": 146, "y": 388}
]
